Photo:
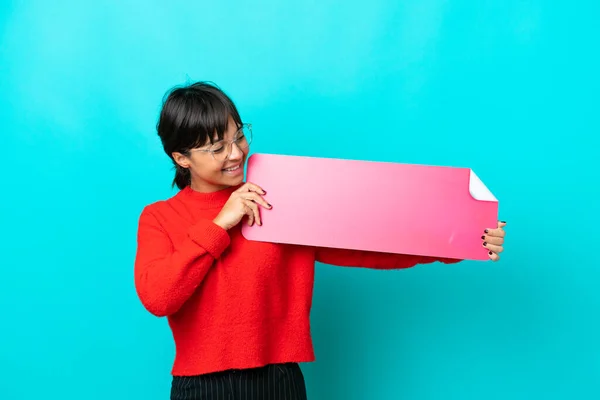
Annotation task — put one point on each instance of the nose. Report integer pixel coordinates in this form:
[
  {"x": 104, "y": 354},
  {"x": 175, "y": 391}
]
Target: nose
[{"x": 236, "y": 153}]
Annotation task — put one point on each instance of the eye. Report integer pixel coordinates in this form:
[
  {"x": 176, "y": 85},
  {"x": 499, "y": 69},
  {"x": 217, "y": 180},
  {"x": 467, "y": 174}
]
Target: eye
[{"x": 217, "y": 148}]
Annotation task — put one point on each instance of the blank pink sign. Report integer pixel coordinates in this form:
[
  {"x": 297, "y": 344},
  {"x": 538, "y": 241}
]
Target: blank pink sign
[{"x": 374, "y": 206}]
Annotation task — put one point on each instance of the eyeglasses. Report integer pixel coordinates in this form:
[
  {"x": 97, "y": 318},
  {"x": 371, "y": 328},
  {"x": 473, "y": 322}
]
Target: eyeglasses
[{"x": 221, "y": 150}]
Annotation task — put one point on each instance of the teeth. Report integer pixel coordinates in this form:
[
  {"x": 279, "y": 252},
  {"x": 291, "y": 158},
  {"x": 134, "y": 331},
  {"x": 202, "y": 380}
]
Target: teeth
[{"x": 232, "y": 169}]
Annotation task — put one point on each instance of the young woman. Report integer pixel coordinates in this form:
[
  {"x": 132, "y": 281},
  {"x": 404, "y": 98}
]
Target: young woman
[{"x": 238, "y": 310}]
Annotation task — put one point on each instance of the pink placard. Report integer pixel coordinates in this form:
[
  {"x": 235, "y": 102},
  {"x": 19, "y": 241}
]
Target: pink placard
[{"x": 374, "y": 206}]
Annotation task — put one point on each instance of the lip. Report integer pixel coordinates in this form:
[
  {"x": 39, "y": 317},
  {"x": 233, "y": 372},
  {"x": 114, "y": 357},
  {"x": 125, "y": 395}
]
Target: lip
[
  {"x": 232, "y": 166},
  {"x": 235, "y": 171}
]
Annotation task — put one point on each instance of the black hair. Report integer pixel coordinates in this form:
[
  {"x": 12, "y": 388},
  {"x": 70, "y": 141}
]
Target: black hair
[{"x": 190, "y": 117}]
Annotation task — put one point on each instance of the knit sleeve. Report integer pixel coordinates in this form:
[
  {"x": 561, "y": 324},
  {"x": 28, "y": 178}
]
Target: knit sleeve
[
  {"x": 165, "y": 275},
  {"x": 375, "y": 260}
]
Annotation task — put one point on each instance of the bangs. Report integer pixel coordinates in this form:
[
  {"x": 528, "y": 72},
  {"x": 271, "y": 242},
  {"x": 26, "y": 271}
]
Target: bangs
[{"x": 199, "y": 115}]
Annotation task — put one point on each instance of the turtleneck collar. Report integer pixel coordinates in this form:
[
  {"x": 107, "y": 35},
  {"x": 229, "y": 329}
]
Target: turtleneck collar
[{"x": 208, "y": 200}]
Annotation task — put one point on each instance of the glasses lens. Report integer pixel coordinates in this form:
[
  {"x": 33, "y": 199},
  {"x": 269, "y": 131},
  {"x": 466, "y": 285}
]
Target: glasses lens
[
  {"x": 220, "y": 150},
  {"x": 244, "y": 137}
]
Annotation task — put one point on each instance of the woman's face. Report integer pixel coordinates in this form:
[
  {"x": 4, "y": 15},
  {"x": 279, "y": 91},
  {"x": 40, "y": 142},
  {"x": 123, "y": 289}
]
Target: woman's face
[{"x": 209, "y": 173}]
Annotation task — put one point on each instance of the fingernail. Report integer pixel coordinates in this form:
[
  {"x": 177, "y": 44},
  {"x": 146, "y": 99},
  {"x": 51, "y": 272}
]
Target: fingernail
[
  {"x": 270, "y": 206},
  {"x": 486, "y": 231},
  {"x": 490, "y": 253},
  {"x": 483, "y": 237},
  {"x": 484, "y": 243}
]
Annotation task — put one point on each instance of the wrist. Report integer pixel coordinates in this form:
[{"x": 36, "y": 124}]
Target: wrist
[{"x": 220, "y": 223}]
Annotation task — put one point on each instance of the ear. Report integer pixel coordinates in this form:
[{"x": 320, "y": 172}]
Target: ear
[{"x": 181, "y": 160}]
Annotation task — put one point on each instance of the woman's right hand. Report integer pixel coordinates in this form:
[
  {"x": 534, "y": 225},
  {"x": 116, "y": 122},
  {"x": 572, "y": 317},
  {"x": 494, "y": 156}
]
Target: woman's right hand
[{"x": 244, "y": 201}]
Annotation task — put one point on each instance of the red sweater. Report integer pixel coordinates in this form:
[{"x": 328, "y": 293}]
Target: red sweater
[{"x": 230, "y": 302}]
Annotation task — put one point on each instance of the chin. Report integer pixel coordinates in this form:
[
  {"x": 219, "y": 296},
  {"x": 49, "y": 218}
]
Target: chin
[
  {"x": 237, "y": 180},
  {"x": 224, "y": 180}
]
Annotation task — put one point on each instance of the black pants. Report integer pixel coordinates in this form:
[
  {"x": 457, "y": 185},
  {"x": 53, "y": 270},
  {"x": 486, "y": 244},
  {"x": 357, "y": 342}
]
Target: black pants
[{"x": 273, "y": 382}]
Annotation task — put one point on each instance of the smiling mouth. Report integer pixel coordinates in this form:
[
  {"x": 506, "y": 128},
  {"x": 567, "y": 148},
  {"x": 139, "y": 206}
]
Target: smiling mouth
[{"x": 233, "y": 168}]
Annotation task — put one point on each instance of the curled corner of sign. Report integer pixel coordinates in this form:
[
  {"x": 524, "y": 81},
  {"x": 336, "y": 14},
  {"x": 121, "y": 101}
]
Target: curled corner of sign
[{"x": 478, "y": 190}]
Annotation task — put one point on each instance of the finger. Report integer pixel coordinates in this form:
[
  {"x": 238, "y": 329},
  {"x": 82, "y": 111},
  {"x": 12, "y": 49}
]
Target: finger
[
  {"x": 251, "y": 187},
  {"x": 501, "y": 224},
  {"x": 248, "y": 211},
  {"x": 493, "y": 239},
  {"x": 252, "y": 206},
  {"x": 493, "y": 256},
  {"x": 255, "y": 198},
  {"x": 498, "y": 232},
  {"x": 493, "y": 247}
]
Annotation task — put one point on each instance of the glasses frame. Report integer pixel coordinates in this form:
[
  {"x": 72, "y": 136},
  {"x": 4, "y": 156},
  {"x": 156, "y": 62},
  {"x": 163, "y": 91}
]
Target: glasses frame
[{"x": 229, "y": 143}]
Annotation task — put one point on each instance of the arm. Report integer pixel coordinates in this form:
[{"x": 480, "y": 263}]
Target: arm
[
  {"x": 375, "y": 260},
  {"x": 165, "y": 276}
]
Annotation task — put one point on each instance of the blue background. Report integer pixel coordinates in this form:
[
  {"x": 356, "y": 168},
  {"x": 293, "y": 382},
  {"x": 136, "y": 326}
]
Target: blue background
[{"x": 506, "y": 87}]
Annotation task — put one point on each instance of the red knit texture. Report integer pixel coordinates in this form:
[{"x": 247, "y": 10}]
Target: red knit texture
[{"x": 232, "y": 303}]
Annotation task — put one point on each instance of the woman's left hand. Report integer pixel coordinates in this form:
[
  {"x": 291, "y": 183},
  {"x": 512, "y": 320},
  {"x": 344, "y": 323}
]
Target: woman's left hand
[{"x": 493, "y": 240}]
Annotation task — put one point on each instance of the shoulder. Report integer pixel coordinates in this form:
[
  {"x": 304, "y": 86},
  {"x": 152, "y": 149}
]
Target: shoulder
[
  {"x": 155, "y": 207},
  {"x": 161, "y": 207}
]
